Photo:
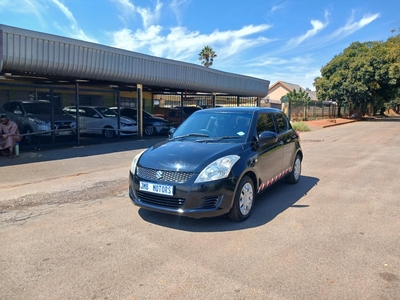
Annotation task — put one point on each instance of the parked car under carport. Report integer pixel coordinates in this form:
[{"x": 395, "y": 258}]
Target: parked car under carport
[
  {"x": 152, "y": 125},
  {"x": 102, "y": 120}
]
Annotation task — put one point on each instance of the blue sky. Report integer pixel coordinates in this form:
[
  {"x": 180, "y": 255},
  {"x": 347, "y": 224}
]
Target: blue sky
[{"x": 273, "y": 40}]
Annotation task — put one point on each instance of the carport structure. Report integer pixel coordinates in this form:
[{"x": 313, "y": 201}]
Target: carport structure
[{"x": 36, "y": 65}]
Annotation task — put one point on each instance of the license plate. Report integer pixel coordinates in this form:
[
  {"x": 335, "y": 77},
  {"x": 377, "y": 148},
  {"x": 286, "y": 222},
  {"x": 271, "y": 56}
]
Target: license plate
[
  {"x": 64, "y": 132},
  {"x": 157, "y": 188}
]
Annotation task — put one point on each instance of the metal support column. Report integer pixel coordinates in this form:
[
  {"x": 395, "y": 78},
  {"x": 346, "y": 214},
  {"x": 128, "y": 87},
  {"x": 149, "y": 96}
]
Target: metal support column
[
  {"x": 53, "y": 137},
  {"x": 182, "y": 102},
  {"x": 139, "y": 89},
  {"x": 78, "y": 123},
  {"x": 119, "y": 114},
  {"x": 214, "y": 100}
]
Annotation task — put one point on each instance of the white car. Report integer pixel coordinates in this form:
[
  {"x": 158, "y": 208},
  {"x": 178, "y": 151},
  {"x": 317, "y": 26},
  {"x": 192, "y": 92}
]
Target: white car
[{"x": 102, "y": 120}]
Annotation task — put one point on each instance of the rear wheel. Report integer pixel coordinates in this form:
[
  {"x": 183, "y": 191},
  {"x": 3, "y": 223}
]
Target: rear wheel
[
  {"x": 294, "y": 176},
  {"x": 243, "y": 202},
  {"x": 108, "y": 132}
]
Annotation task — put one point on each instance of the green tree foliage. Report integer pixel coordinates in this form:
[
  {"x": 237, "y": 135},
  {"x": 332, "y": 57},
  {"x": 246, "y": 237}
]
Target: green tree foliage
[
  {"x": 297, "y": 96},
  {"x": 365, "y": 74},
  {"x": 207, "y": 56}
]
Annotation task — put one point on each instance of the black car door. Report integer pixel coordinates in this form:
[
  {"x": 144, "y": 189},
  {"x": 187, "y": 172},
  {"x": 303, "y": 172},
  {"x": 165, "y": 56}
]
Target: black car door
[
  {"x": 286, "y": 138},
  {"x": 269, "y": 155}
]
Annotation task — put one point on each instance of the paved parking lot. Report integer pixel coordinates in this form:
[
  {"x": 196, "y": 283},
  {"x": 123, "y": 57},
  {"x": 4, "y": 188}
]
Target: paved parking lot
[{"x": 69, "y": 231}]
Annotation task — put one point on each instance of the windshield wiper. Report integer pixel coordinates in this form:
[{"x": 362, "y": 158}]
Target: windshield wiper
[
  {"x": 190, "y": 134},
  {"x": 226, "y": 137},
  {"x": 217, "y": 139}
]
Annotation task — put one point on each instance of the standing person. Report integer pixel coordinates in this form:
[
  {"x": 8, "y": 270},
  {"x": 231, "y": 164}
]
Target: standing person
[{"x": 9, "y": 136}]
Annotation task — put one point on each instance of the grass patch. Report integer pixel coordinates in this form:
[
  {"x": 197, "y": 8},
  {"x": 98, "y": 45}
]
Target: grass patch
[{"x": 300, "y": 126}]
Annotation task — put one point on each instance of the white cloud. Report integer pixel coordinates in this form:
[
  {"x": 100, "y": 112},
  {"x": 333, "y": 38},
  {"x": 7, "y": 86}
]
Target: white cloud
[
  {"x": 182, "y": 44},
  {"x": 279, "y": 6},
  {"x": 279, "y": 61},
  {"x": 149, "y": 16},
  {"x": 175, "y": 6},
  {"x": 26, "y": 7},
  {"x": 73, "y": 30},
  {"x": 352, "y": 26},
  {"x": 317, "y": 27}
]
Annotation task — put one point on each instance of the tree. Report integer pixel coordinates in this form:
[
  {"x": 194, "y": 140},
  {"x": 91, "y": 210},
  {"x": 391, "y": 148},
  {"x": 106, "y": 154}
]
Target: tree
[
  {"x": 207, "y": 56},
  {"x": 365, "y": 74}
]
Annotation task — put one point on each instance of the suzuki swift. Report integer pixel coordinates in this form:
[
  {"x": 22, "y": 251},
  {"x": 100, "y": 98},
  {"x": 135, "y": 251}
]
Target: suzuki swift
[{"x": 216, "y": 163}]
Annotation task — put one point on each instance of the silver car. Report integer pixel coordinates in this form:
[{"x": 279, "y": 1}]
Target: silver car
[
  {"x": 34, "y": 119},
  {"x": 102, "y": 120}
]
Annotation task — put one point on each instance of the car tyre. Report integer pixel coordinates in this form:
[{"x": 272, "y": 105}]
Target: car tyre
[
  {"x": 243, "y": 201},
  {"x": 28, "y": 139},
  {"x": 108, "y": 132},
  {"x": 294, "y": 175},
  {"x": 149, "y": 130}
]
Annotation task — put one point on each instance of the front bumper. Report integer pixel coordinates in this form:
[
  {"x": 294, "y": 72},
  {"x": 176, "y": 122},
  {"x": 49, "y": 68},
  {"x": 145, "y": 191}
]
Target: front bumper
[{"x": 195, "y": 200}]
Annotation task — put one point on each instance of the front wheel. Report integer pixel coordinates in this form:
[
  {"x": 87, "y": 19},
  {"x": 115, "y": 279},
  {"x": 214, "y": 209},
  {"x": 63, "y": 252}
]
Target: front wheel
[
  {"x": 294, "y": 176},
  {"x": 149, "y": 130},
  {"x": 243, "y": 201},
  {"x": 28, "y": 138},
  {"x": 108, "y": 133}
]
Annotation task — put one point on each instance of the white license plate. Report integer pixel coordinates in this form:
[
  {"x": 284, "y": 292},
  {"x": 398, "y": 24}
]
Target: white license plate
[
  {"x": 157, "y": 188},
  {"x": 65, "y": 132}
]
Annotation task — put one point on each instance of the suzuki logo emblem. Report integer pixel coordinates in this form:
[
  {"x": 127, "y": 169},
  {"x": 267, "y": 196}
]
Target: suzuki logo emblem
[{"x": 159, "y": 174}]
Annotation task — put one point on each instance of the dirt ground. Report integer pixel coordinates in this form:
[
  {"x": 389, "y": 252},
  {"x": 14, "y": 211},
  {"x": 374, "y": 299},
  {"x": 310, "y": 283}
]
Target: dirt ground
[{"x": 322, "y": 123}]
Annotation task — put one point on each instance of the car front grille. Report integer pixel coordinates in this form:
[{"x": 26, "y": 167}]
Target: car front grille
[
  {"x": 63, "y": 125},
  {"x": 170, "y": 176},
  {"x": 160, "y": 200}
]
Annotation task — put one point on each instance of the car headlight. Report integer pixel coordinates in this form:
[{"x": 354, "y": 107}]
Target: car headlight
[
  {"x": 40, "y": 122},
  {"x": 218, "y": 169},
  {"x": 123, "y": 124},
  {"x": 135, "y": 161}
]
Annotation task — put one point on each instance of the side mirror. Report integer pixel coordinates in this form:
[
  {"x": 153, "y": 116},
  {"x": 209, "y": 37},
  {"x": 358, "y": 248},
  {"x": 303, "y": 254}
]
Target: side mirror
[
  {"x": 18, "y": 112},
  {"x": 171, "y": 132},
  {"x": 268, "y": 137}
]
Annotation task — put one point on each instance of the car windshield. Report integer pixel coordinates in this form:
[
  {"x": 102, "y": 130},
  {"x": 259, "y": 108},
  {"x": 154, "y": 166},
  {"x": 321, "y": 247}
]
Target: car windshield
[
  {"x": 224, "y": 126},
  {"x": 41, "y": 108},
  {"x": 106, "y": 112}
]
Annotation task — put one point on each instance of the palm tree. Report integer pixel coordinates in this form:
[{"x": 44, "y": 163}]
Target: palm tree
[{"x": 207, "y": 56}]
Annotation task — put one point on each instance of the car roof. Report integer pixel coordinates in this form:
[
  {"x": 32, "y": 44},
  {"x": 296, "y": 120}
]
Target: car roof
[
  {"x": 87, "y": 106},
  {"x": 237, "y": 109},
  {"x": 30, "y": 101}
]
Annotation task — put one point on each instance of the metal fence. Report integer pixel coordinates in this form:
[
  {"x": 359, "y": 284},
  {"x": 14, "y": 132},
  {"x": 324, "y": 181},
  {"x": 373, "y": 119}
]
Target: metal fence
[
  {"x": 49, "y": 116},
  {"x": 300, "y": 111}
]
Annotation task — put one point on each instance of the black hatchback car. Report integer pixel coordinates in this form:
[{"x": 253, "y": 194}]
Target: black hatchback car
[{"x": 216, "y": 163}]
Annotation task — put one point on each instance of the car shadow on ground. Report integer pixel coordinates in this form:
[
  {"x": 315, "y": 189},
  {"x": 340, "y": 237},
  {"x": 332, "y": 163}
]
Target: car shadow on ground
[{"x": 274, "y": 201}]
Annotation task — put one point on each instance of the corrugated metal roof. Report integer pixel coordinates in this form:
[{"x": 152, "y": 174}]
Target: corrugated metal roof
[{"x": 39, "y": 53}]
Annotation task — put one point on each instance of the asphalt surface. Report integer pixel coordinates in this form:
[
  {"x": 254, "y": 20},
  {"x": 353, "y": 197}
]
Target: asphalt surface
[{"x": 69, "y": 231}]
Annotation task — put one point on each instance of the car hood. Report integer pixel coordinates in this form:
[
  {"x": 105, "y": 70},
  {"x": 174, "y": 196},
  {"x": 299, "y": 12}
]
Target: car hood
[
  {"x": 186, "y": 156},
  {"x": 57, "y": 117},
  {"x": 155, "y": 119},
  {"x": 127, "y": 120}
]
